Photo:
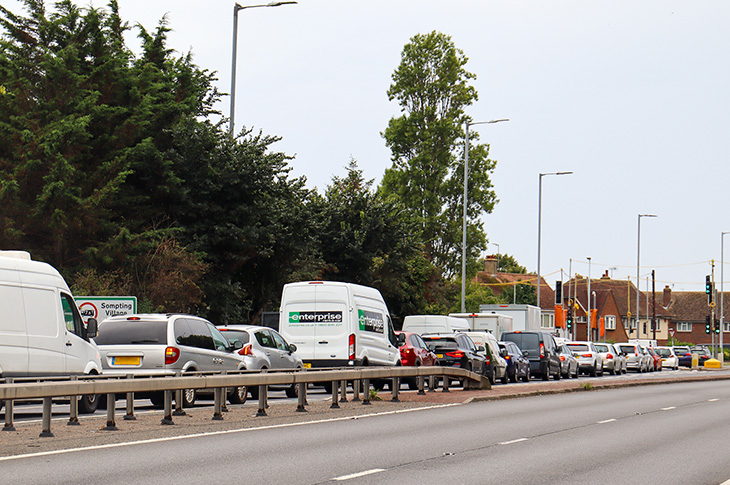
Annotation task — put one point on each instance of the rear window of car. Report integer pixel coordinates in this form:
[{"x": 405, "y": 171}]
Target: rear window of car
[
  {"x": 234, "y": 336},
  {"x": 627, "y": 349},
  {"x": 663, "y": 352},
  {"x": 525, "y": 341},
  {"x": 441, "y": 343},
  {"x": 602, "y": 348},
  {"x": 136, "y": 332},
  {"x": 681, "y": 350},
  {"x": 578, "y": 347}
]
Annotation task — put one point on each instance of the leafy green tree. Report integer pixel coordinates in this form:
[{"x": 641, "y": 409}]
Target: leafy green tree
[
  {"x": 508, "y": 264},
  {"x": 431, "y": 86},
  {"x": 526, "y": 294}
]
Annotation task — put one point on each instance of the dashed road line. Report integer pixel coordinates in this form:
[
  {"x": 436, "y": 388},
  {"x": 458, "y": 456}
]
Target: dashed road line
[{"x": 359, "y": 474}]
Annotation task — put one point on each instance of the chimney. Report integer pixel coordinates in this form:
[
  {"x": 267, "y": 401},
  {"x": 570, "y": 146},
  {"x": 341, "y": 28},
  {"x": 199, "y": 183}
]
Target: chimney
[
  {"x": 667, "y": 296},
  {"x": 490, "y": 265}
]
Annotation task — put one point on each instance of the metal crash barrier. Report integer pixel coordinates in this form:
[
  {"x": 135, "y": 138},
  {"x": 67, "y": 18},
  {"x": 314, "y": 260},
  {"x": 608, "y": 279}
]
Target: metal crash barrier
[{"x": 113, "y": 386}]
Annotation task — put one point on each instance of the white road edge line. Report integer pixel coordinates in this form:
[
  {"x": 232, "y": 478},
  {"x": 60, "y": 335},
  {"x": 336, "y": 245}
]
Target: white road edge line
[
  {"x": 607, "y": 421},
  {"x": 358, "y": 475},
  {"x": 216, "y": 433},
  {"x": 713, "y": 400},
  {"x": 669, "y": 408},
  {"x": 513, "y": 441}
]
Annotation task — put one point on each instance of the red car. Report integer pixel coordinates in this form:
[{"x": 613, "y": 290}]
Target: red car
[
  {"x": 657, "y": 358},
  {"x": 415, "y": 352}
]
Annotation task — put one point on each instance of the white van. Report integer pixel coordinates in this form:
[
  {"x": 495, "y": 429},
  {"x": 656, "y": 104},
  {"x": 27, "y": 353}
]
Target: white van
[
  {"x": 336, "y": 324},
  {"x": 422, "y": 324},
  {"x": 41, "y": 330}
]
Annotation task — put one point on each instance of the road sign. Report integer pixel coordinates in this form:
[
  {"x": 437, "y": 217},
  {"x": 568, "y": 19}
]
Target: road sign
[
  {"x": 671, "y": 332},
  {"x": 103, "y": 307}
]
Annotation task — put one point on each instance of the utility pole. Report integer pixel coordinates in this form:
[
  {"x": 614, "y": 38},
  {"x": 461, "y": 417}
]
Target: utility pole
[{"x": 653, "y": 304}]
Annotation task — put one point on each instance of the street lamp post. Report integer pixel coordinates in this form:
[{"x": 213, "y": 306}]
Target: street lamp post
[
  {"x": 589, "y": 330},
  {"x": 236, "y": 8},
  {"x": 466, "y": 185},
  {"x": 539, "y": 228},
  {"x": 638, "y": 259},
  {"x": 722, "y": 294}
]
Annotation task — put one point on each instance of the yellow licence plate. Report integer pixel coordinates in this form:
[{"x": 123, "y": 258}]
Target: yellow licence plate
[
  {"x": 440, "y": 356},
  {"x": 307, "y": 365},
  {"x": 125, "y": 360}
]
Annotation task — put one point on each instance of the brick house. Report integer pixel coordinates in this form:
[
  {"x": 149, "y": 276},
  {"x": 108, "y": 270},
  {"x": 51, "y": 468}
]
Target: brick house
[{"x": 689, "y": 312}]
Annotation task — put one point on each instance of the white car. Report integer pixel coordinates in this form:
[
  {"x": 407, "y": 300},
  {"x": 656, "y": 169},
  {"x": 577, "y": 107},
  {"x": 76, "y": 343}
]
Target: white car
[
  {"x": 669, "y": 358},
  {"x": 590, "y": 360}
]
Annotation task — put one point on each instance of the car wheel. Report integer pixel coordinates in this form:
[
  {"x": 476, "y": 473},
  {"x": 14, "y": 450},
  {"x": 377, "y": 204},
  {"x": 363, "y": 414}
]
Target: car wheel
[
  {"x": 613, "y": 371},
  {"x": 575, "y": 376},
  {"x": 238, "y": 395},
  {"x": 557, "y": 375},
  {"x": 593, "y": 371},
  {"x": 88, "y": 404},
  {"x": 504, "y": 379},
  {"x": 527, "y": 376},
  {"x": 188, "y": 397},
  {"x": 546, "y": 375},
  {"x": 158, "y": 400},
  {"x": 513, "y": 377}
]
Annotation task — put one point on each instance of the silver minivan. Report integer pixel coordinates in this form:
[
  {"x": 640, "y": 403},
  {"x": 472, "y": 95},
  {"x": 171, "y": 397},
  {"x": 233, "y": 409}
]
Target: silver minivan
[{"x": 165, "y": 344}]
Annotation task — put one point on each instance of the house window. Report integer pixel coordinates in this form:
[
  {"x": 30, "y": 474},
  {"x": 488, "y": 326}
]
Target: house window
[
  {"x": 726, "y": 326},
  {"x": 684, "y": 327},
  {"x": 580, "y": 319},
  {"x": 547, "y": 321},
  {"x": 610, "y": 322}
]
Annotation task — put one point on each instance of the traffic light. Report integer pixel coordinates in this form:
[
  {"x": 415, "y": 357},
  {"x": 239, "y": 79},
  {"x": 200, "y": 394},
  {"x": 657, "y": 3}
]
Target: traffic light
[
  {"x": 717, "y": 326},
  {"x": 558, "y": 292},
  {"x": 708, "y": 289},
  {"x": 569, "y": 319},
  {"x": 707, "y": 324}
]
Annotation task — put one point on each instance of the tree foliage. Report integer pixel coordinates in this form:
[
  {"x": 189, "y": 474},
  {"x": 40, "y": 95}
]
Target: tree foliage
[{"x": 431, "y": 86}]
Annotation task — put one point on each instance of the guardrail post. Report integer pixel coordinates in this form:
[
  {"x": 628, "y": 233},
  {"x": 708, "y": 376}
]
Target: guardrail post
[
  {"x": 302, "y": 397},
  {"x": 335, "y": 393},
  {"x": 73, "y": 405},
  {"x": 395, "y": 385},
  {"x": 111, "y": 405},
  {"x": 343, "y": 391},
  {"x": 224, "y": 405},
  {"x": 9, "y": 411},
  {"x": 46, "y": 431},
  {"x": 167, "y": 419},
  {"x": 432, "y": 383},
  {"x": 421, "y": 385},
  {"x": 130, "y": 404},
  {"x": 445, "y": 387},
  {"x": 217, "y": 412},
  {"x": 356, "y": 391},
  {"x": 179, "y": 411},
  {"x": 262, "y": 400},
  {"x": 366, "y": 392}
]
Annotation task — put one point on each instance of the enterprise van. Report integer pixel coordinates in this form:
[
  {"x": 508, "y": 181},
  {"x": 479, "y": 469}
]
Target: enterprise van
[
  {"x": 337, "y": 324},
  {"x": 41, "y": 330}
]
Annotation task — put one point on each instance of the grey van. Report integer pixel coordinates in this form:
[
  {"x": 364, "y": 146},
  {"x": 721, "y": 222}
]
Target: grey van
[
  {"x": 540, "y": 349},
  {"x": 164, "y": 344}
]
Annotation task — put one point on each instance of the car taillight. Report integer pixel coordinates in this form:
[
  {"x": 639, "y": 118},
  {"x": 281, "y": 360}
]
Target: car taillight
[
  {"x": 246, "y": 350},
  {"x": 562, "y": 357},
  {"x": 171, "y": 355},
  {"x": 351, "y": 347},
  {"x": 609, "y": 356},
  {"x": 542, "y": 350},
  {"x": 457, "y": 354},
  {"x": 507, "y": 357},
  {"x": 488, "y": 360},
  {"x": 587, "y": 355}
]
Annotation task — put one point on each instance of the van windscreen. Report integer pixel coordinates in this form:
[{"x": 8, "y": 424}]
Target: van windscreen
[{"x": 138, "y": 332}]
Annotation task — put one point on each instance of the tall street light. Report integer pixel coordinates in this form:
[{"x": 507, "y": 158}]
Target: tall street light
[
  {"x": 589, "y": 331},
  {"x": 236, "y": 8},
  {"x": 539, "y": 229},
  {"x": 466, "y": 185},
  {"x": 722, "y": 293},
  {"x": 638, "y": 259}
]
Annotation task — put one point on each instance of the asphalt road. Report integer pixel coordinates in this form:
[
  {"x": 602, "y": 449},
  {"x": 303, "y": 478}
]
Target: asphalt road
[{"x": 671, "y": 433}]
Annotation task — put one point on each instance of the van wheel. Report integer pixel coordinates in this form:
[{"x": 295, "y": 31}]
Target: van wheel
[
  {"x": 158, "y": 400},
  {"x": 292, "y": 391},
  {"x": 88, "y": 404},
  {"x": 238, "y": 395},
  {"x": 188, "y": 397}
]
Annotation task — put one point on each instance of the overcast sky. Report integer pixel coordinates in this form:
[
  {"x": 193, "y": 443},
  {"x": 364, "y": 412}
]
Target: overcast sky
[{"x": 632, "y": 96}]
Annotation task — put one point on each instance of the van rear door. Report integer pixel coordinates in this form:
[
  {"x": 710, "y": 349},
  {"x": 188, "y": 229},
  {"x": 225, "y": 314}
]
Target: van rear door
[
  {"x": 13, "y": 335},
  {"x": 315, "y": 317}
]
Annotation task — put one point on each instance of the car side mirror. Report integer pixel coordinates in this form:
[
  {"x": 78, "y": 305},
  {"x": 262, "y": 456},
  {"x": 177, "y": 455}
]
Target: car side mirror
[
  {"x": 503, "y": 352},
  {"x": 92, "y": 328},
  {"x": 480, "y": 348},
  {"x": 401, "y": 340},
  {"x": 292, "y": 348},
  {"x": 237, "y": 345},
  {"x": 525, "y": 353}
]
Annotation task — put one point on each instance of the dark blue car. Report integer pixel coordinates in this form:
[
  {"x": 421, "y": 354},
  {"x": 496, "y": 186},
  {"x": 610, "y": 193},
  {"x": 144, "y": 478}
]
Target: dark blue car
[{"x": 518, "y": 366}]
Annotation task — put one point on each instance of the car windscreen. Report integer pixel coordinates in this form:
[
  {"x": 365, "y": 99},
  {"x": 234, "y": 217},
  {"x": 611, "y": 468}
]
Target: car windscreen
[
  {"x": 578, "y": 347},
  {"x": 136, "y": 332},
  {"x": 525, "y": 341},
  {"x": 234, "y": 336}
]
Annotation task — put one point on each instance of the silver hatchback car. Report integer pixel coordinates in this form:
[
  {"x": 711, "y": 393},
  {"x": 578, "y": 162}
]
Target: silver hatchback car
[
  {"x": 590, "y": 360},
  {"x": 164, "y": 344},
  {"x": 264, "y": 348}
]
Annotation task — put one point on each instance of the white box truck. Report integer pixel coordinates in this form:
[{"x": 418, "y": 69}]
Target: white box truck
[
  {"x": 41, "y": 330},
  {"x": 423, "y": 324},
  {"x": 524, "y": 317},
  {"x": 336, "y": 324},
  {"x": 494, "y": 323}
]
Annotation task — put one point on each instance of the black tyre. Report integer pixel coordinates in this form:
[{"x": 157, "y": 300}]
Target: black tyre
[
  {"x": 513, "y": 377},
  {"x": 526, "y": 378},
  {"x": 292, "y": 391},
  {"x": 504, "y": 379},
  {"x": 254, "y": 390},
  {"x": 188, "y": 397},
  {"x": 158, "y": 400},
  {"x": 88, "y": 404},
  {"x": 557, "y": 375},
  {"x": 593, "y": 372},
  {"x": 238, "y": 395}
]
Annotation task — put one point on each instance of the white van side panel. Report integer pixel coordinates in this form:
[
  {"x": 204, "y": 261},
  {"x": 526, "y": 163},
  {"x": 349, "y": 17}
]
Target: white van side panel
[
  {"x": 371, "y": 340},
  {"x": 434, "y": 324},
  {"x": 13, "y": 338},
  {"x": 46, "y": 343}
]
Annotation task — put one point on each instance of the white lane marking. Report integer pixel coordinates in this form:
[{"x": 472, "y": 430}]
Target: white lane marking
[
  {"x": 607, "y": 421},
  {"x": 513, "y": 441},
  {"x": 216, "y": 433},
  {"x": 712, "y": 400},
  {"x": 669, "y": 408},
  {"x": 358, "y": 475}
]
